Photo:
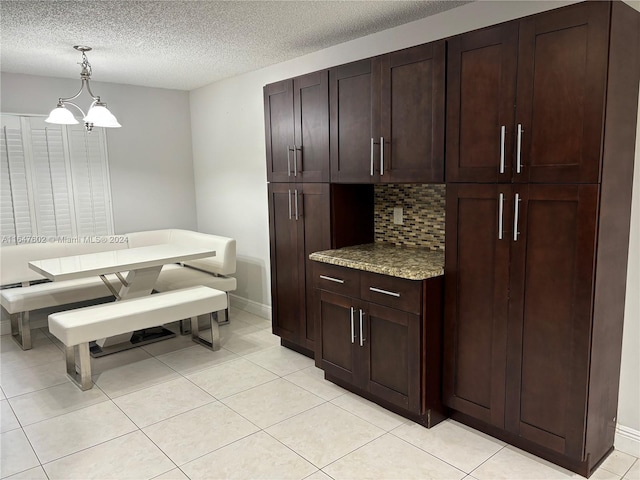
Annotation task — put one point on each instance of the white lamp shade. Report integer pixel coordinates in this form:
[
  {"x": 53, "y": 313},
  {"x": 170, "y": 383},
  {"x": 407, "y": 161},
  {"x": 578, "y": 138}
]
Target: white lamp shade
[
  {"x": 100, "y": 116},
  {"x": 61, "y": 116}
]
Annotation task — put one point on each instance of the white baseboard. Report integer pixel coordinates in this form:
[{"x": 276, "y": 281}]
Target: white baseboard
[
  {"x": 259, "y": 309},
  {"x": 627, "y": 440}
]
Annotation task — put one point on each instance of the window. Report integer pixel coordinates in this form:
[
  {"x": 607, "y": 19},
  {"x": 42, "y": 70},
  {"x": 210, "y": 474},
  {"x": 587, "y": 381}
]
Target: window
[{"x": 54, "y": 181}]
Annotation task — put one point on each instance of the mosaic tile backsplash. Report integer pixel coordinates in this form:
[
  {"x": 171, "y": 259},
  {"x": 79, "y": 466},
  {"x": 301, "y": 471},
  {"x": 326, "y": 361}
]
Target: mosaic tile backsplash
[{"x": 423, "y": 212}]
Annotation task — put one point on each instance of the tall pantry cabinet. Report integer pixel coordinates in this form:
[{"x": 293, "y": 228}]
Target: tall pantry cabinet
[
  {"x": 301, "y": 219},
  {"x": 541, "y": 124}
]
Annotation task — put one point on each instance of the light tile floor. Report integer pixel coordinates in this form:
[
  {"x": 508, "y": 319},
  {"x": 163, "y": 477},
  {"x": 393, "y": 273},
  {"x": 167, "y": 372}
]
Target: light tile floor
[{"x": 175, "y": 410}]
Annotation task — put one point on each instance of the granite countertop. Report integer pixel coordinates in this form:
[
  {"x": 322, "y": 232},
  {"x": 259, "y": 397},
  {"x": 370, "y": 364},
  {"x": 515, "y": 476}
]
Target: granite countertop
[{"x": 413, "y": 263}]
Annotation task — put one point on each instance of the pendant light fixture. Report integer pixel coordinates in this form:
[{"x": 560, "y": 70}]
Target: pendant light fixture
[{"x": 98, "y": 114}]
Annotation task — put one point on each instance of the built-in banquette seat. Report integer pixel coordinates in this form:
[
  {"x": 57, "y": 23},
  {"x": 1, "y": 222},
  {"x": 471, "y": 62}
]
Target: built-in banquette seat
[{"x": 24, "y": 290}]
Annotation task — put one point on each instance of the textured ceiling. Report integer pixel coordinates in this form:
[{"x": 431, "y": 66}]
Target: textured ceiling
[{"x": 185, "y": 44}]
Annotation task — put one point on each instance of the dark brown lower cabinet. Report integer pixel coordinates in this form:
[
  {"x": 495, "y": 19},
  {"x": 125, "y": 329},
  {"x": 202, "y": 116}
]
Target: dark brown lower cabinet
[
  {"x": 523, "y": 281},
  {"x": 299, "y": 216},
  {"x": 376, "y": 338}
]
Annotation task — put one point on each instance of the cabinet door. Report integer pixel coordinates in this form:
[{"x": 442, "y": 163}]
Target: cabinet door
[
  {"x": 338, "y": 332},
  {"x": 314, "y": 234},
  {"x": 278, "y": 122},
  {"x": 550, "y": 315},
  {"x": 311, "y": 106},
  {"x": 352, "y": 132},
  {"x": 562, "y": 69},
  {"x": 412, "y": 114},
  {"x": 481, "y": 80},
  {"x": 476, "y": 299},
  {"x": 285, "y": 297},
  {"x": 390, "y": 341}
]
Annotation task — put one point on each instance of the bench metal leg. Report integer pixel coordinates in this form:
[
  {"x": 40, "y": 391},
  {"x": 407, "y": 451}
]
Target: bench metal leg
[
  {"x": 21, "y": 329},
  {"x": 185, "y": 326},
  {"x": 83, "y": 378},
  {"x": 227, "y": 317},
  {"x": 215, "y": 333}
]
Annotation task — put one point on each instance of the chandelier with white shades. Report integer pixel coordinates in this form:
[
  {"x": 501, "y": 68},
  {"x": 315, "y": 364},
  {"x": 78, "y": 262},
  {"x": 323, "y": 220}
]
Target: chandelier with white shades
[{"x": 98, "y": 114}]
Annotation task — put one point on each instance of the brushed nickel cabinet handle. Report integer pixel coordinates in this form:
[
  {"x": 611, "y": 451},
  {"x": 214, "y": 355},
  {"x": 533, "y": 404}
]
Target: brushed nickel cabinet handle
[
  {"x": 289, "y": 199},
  {"x": 295, "y": 161},
  {"x": 381, "y": 155},
  {"x": 362, "y": 339},
  {"x": 500, "y": 216},
  {"x": 353, "y": 328},
  {"x": 516, "y": 214},
  {"x": 332, "y": 279},
  {"x": 296, "y": 195},
  {"x": 519, "y": 149},
  {"x": 288, "y": 161},
  {"x": 385, "y": 292},
  {"x": 503, "y": 132},
  {"x": 372, "y": 156}
]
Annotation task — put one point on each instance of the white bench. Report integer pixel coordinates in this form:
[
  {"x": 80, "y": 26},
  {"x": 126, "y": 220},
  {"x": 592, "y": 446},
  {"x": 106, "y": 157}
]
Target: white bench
[
  {"x": 28, "y": 295},
  {"x": 76, "y": 328}
]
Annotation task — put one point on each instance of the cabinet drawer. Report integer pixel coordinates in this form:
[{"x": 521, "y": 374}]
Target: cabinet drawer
[
  {"x": 394, "y": 292},
  {"x": 332, "y": 278}
]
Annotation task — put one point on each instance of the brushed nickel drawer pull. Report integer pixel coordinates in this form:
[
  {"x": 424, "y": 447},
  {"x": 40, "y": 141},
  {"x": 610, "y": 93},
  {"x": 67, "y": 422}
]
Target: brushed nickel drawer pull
[
  {"x": 362, "y": 339},
  {"x": 381, "y": 155},
  {"x": 386, "y": 292},
  {"x": 519, "y": 149},
  {"x": 331, "y": 279},
  {"x": 500, "y": 217},
  {"x": 372, "y": 156}
]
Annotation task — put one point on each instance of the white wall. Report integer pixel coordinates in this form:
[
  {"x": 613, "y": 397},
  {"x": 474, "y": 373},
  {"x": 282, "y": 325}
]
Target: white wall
[
  {"x": 231, "y": 187},
  {"x": 150, "y": 157}
]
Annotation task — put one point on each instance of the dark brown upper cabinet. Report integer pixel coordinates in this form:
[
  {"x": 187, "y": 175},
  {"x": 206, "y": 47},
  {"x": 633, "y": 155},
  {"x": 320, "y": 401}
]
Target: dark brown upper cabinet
[
  {"x": 526, "y": 98},
  {"x": 297, "y": 129},
  {"x": 387, "y": 117}
]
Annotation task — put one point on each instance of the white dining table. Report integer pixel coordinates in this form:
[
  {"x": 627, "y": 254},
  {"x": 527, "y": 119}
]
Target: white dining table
[{"x": 137, "y": 271}]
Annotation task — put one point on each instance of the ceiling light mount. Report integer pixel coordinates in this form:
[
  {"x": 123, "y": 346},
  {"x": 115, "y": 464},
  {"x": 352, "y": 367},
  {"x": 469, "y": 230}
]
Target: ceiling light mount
[{"x": 97, "y": 116}]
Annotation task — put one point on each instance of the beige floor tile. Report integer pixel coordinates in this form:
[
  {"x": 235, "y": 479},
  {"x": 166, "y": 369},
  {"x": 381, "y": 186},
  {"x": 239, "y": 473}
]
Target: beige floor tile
[
  {"x": 618, "y": 462},
  {"x": 280, "y": 360},
  {"x": 18, "y": 381},
  {"x": 131, "y": 456},
  {"x": 312, "y": 379},
  {"x": 231, "y": 378},
  {"x": 250, "y": 318},
  {"x": 75, "y": 431},
  {"x": 272, "y": 402},
  {"x": 634, "y": 472},
  {"x": 117, "y": 360},
  {"x": 175, "y": 474},
  {"x": 256, "y": 456},
  {"x": 319, "y": 475},
  {"x": 16, "y": 454},
  {"x": 2, "y": 395},
  {"x": 251, "y": 342},
  {"x": 53, "y": 401},
  {"x": 324, "y": 434},
  {"x": 168, "y": 399},
  {"x": 36, "y": 473},
  {"x": 511, "y": 463},
  {"x": 8, "y": 420},
  {"x": 200, "y": 431},
  {"x": 134, "y": 376},
  {"x": 43, "y": 352},
  {"x": 193, "y": 359},
  {"x": 391, "y": 458},
  {"x": 600, "y": 474},
  {"x": 369, "y": 411},
  {"x": 456, "y": 444}
]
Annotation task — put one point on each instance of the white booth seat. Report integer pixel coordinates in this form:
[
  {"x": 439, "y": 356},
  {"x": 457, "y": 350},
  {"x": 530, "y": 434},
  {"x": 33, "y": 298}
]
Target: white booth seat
[{"x": 31, "y": 294}]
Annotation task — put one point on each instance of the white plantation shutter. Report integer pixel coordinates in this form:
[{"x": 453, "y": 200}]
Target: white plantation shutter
[
  {"x": 15, "y": 211},
  {"x": 90, "y": 180},
  {"x": 51, "y": 189},
  {"x": 55, "y": 180}
]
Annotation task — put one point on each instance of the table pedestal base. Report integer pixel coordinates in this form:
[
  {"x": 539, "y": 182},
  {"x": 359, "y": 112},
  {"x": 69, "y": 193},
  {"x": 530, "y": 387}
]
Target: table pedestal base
[{"x": 138, "y": 338}]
